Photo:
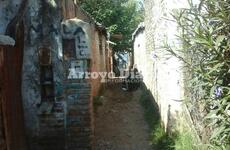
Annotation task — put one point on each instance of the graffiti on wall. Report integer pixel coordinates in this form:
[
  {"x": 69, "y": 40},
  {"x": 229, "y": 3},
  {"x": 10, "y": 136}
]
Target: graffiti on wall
[
  {"x": 82, "y": 48},
  {"x": 76, "y": 47},
  {"x": 76, "y": 30},
  {"x": 76, "y": 70}
]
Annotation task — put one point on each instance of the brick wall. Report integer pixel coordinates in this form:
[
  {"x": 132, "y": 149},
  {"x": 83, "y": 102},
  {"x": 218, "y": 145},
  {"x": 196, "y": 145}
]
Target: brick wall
[
  {"x": 67, "y": 121},
  {"x": 64, "y": 120},
  {"x": 98, "y": 61},
  {"x": 79, "y": 130}
]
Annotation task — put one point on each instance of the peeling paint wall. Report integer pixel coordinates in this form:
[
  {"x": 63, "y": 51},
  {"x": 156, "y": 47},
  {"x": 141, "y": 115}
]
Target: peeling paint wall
[
  {"x": 65, "y": 120},
  {"x": 58, "y": 110},
  {"x": 8, "y": 9},
  {"x": 45, "y": 130}
]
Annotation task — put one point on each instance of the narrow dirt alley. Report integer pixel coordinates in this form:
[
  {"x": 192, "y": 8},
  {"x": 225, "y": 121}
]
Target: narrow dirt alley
[{"x": 119, "y": 122}]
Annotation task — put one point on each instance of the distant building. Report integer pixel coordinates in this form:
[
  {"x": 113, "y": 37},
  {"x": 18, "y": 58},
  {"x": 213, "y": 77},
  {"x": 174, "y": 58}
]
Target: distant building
[
  {"x": 139, "y": 50},
  {"x": 122, "y": 60}
]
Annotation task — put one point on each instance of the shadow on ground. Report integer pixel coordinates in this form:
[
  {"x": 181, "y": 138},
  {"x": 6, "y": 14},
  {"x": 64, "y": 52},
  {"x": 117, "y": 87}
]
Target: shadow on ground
[
  {"x": 119, "y": 121},
  {"x": 128, "y": 121},
  {"x": 159, "y": 139}
]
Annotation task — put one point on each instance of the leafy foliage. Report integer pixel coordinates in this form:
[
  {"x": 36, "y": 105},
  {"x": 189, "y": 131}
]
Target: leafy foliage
[
  {"x": 119, "y": 16},
  {"x": 205, "y": 33},
  {"x": 185, "y": 141}
]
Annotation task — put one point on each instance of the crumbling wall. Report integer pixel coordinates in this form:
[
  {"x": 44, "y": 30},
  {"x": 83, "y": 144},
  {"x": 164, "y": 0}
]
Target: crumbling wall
[
  {"x": 44, "y": 120},
  {"x": 55, "y": 35},
  {"x": 8, "y": 9},
  {"x": 79, "y": 117},
  {"x": 57, "y": 109}
]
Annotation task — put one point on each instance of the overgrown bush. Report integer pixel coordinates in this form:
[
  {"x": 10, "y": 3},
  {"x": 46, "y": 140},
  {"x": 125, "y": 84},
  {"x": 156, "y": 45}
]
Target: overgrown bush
[{"x": 205, "y": 34}]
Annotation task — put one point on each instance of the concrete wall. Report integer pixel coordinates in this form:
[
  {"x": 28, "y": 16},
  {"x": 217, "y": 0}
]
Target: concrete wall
[
  {"x": 163, "y": 75},
  {"x": 8, "y": 9}
]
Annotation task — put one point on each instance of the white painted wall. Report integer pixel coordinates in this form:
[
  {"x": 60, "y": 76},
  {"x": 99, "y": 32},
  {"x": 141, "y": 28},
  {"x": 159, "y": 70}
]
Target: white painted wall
[
  {"x": 140, "y": 54},
  {"x": 163, "y": 75}
]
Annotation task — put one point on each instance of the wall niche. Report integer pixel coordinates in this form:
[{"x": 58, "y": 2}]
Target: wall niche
[
  {"x": 46, "y": 75},
  {"x": 69, "y": 49}
]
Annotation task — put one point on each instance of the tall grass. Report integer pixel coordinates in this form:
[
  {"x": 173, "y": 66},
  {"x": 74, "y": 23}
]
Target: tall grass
[
  {"x": 185, "y": 141},
  {"x": 159, "y": 139}
]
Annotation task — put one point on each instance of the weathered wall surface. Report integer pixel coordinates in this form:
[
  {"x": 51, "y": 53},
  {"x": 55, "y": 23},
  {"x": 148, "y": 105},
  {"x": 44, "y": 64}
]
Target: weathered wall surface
[
  {"x": 98, "y": 55},
  {"x": 11, "y": 51},
  {"x": 98, "y": 60},
  {"x": 57, "y": 107},
  {"x": 162, "y": 75},
  {"x": 8, "y": 9},
  {"x": 44, "y": 119},
  {"x": 62, "y": 119},
  {"x": 160, "y": 72}
]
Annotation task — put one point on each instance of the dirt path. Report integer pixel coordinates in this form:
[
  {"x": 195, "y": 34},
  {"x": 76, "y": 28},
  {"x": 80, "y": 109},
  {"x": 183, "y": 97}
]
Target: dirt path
[{"x": 119, "y": 123}]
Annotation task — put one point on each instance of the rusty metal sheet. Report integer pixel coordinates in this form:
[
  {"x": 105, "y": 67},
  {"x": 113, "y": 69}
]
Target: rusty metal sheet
[
  {"x": 11, "y": 68},
  {"x": 2, "y": 126}
]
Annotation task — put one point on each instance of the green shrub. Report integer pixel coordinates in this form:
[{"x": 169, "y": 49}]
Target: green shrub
[{"x": 205, "y": 33}]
